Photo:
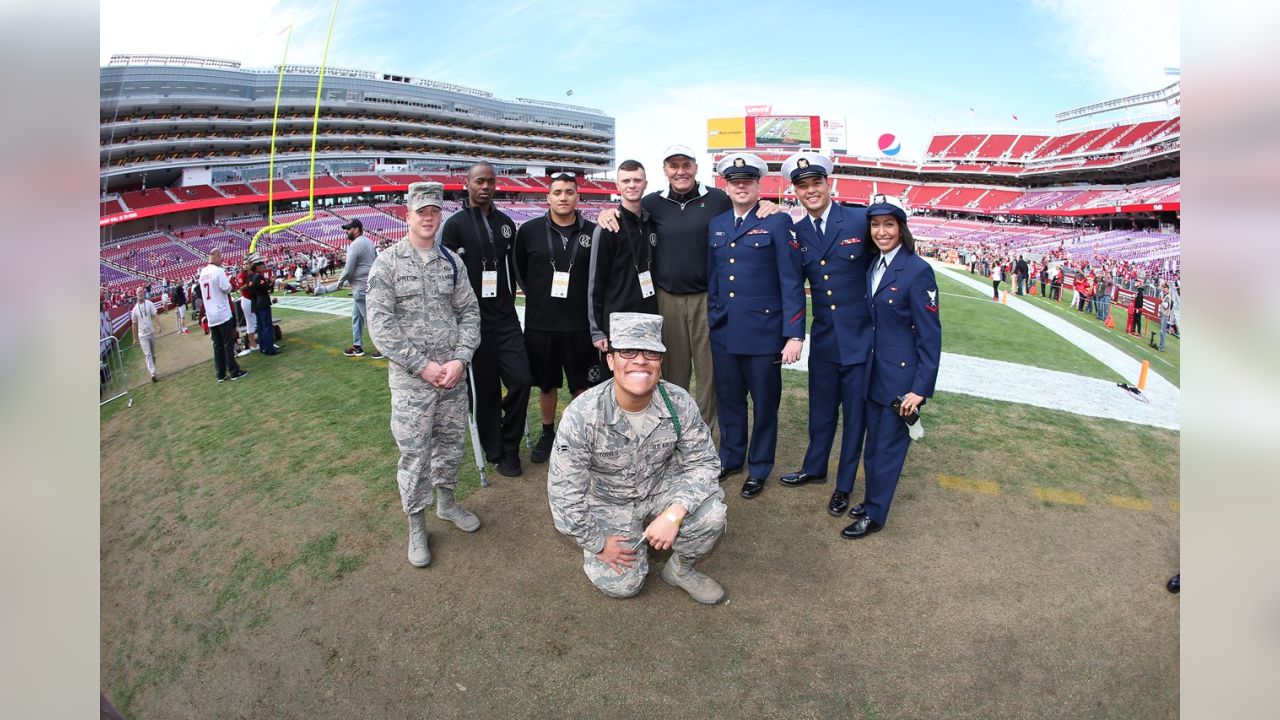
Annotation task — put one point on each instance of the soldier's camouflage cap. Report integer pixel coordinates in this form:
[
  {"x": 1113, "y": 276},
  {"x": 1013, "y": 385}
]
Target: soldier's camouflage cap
[
  {"x": 422, "y": 194},
  {"x": 635, "y": 331}
]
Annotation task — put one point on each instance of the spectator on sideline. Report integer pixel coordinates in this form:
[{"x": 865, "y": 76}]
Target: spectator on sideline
[
  {"x": 215, "y": 288},
  {"x": 143, "y": 316},
  {"x": 1044, "y": 279},
  {"x": 903, "y": 296},
  {"x": 483, "y": 237},
  {"x": 621, "y": 273},
  {"x": 360, "y": 256},
  {"x": 1135, "y": 313},
  {"x": 180, "y": 307},
  {"x": 1166, "y": 313},
  {"x": 625, "y": 460},
  {"x": 553, "y": 259},
  {"x": 246, "y": 320},
  {"x": 836, "y": 257},
  {"x": 260, "y": 288},
  {"x": 1022, "y": 271},
  {"x": 425, "y": 316},
  {"x": 997, "y": 274},
  {"x": 756, "y": 315}
]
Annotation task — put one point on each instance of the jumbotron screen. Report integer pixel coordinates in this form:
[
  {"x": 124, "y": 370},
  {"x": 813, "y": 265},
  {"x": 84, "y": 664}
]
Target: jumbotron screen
[{"x": 764, "y": 131}]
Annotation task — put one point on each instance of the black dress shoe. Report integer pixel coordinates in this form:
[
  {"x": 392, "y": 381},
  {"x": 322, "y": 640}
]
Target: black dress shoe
[
  {"x": 1175, "y": 584},
  {"x": 726, "y": 472},
  {"x": 796, "y": 479},
  {"x": 752, "y": 487},
  {"x": 861, "y": 527},
  {"x": 859, "y": 510},
  {"x": 839, "y": 503}
]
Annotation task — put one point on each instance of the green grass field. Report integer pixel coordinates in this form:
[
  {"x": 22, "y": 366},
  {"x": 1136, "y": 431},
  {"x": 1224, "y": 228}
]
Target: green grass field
[{"x": 252, "y": 560}]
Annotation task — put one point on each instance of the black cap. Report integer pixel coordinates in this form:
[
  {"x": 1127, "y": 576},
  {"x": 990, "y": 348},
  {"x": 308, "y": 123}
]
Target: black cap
[{"x": 353, "y": 223}]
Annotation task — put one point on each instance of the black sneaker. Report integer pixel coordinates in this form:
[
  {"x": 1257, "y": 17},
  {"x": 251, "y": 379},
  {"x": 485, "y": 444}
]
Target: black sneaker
[
  {"x": 353, "y": 351},
  {"x": 239, "y": 374},
  {"x": 542, "y": 449},
  {"x": 377, "y": 354},
  {"x": 222, "y": 379},
  {"x": 509, "y": 465}
]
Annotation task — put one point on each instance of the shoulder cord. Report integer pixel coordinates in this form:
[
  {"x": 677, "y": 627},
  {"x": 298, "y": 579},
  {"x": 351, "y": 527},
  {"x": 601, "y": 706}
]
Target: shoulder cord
[{"x": 671, "y": 408}]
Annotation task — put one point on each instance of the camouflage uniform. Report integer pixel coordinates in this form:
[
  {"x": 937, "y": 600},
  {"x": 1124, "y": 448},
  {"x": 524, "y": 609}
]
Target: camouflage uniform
[
  {"x": 418, "y": 312},
  {"x": 606, "y": 479}
]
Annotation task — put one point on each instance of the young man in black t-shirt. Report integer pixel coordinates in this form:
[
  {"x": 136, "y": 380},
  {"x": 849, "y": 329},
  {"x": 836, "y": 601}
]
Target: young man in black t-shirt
[{"x": 553, "y": 257}]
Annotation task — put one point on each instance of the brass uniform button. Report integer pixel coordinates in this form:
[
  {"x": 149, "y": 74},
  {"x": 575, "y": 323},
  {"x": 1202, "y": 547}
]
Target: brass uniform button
[
  {"x": 730, "y": 294},
  {"x": 828, "y": 292},
  {"x": 730, "y": 278},
  {"x": 833, "y": 307},
  {"x": 732, "y": 261},
  {"x": 826, "y": 277},
  {"x": 822, "y": 262}
]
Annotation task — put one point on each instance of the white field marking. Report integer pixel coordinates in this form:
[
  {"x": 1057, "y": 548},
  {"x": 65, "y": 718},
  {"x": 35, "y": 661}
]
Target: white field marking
[{"x": 980, "y": 377}]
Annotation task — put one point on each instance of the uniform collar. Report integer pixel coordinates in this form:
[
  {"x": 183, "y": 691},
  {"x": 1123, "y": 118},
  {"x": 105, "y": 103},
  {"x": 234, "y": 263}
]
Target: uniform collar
[
  {"x": 826, "y": 214},
  {"x": 614, "y": 415},
  {"x": 888, "y": 258}
]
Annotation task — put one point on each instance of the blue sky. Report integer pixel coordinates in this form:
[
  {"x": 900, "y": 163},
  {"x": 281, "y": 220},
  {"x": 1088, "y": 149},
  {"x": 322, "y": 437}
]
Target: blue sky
[{"x": 663, "y": 68}]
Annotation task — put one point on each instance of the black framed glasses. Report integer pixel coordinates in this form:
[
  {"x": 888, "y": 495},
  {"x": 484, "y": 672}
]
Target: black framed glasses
[{"x": 631, "y": 353}]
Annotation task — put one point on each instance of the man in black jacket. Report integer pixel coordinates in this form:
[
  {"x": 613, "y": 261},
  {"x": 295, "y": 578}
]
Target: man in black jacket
[
  {"x": 483, "y": 236},
  {"x": 621, "y": 275},
  {"x": 260, "y": 297},
  {"x": 552, "y": 257}
]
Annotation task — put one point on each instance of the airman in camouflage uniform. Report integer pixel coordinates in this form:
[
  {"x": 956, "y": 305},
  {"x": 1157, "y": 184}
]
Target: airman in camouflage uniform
[
  {"x": 633, "y": 463},
  {"x": 424, "y": 317}
]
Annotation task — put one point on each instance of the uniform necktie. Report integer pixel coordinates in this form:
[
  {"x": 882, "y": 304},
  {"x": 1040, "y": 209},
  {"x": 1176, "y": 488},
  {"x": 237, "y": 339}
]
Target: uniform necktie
[
  {"x": 817, "y": 223},
  {"x": 737, "y": 223},
  {"x": 879, "y": 274}
]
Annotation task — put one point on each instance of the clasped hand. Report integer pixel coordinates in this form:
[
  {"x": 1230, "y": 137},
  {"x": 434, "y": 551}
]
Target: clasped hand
[{"x": 444, "y": 376}]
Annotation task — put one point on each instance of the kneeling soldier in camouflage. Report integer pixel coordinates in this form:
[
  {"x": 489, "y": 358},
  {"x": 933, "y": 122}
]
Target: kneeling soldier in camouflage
[
  {"x": 633, "y": 462},
  {"x": 426, "y": 320}
]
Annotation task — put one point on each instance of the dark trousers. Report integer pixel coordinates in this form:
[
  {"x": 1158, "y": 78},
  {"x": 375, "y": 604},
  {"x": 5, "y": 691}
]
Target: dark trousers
[
  {"x": 995, "y": 289},
  {"x": 224, "y": 348},
  {"x": 1042, "y": 289},
  {"x": 887, "y": 444},
  {"x": 834, "y": 387},
  {"x": 736, "y": 377},
  {"x": 501, "y": 360},
  {"x": 266, "y": 332}
]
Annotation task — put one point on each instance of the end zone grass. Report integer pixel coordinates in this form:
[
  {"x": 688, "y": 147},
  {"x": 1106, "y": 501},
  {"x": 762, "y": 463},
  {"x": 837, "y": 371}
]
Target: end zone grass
[{"x": 252, "y": 561}]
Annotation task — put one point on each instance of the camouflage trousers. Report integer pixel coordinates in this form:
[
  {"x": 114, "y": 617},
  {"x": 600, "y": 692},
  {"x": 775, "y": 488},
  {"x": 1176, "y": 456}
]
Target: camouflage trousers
[
  {"x": 430, "y": 428},
  {"x": 698, "y": 534}
]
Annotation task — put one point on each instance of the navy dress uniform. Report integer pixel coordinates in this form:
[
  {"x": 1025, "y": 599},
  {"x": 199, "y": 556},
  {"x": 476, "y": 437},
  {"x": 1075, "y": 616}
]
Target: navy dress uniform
[
  {"x": 755, "y": 304},
  {"x": 907, "y": 336},
  {"x": 835, "y": 257}
]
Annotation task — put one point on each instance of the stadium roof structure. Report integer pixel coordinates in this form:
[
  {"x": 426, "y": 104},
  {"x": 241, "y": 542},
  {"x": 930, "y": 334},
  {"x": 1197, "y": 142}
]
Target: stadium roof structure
[{"x": 164, "y": 116}]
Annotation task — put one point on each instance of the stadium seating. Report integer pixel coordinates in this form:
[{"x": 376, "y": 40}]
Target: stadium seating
[
  {"x": 146, "y": 198},
  {"x": 196, "y": 192}
]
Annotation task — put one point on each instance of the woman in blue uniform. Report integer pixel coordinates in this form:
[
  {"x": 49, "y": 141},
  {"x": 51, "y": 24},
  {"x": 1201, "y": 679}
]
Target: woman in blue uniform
[{"x": 906, "y": 346}]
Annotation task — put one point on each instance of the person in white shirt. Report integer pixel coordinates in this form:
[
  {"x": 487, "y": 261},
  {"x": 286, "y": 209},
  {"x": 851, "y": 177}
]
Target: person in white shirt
[
  {"x": 143, "y": 316},
  {"x": 215, "y": 290}
]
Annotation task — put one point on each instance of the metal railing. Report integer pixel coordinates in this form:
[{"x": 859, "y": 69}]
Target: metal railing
[{"x": 113, "y": 381}]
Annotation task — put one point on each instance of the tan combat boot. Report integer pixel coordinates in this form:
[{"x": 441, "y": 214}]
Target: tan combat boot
[
  {"x": 419, "y": 553},
  {"x": 447, "y": 509},
  {"x": 680, "y": 573}
]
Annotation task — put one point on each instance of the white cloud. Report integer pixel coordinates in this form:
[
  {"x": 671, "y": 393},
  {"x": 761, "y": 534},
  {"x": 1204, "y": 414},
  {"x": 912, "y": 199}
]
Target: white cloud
[
  {"x": 248, "y": 31},
  {"x": 1123, "y": 46}
]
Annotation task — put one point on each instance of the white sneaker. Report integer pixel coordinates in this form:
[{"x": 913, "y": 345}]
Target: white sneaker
[{"x": 244, "y": 352}]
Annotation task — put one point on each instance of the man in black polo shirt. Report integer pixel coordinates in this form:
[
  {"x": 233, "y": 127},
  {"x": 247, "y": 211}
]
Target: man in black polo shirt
[
  {"x": 621, "y": 273},
  {"x": 552, "y": 257},
  {"x": 483, "y": 236},
  {"x": 682, "y": 213}
]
